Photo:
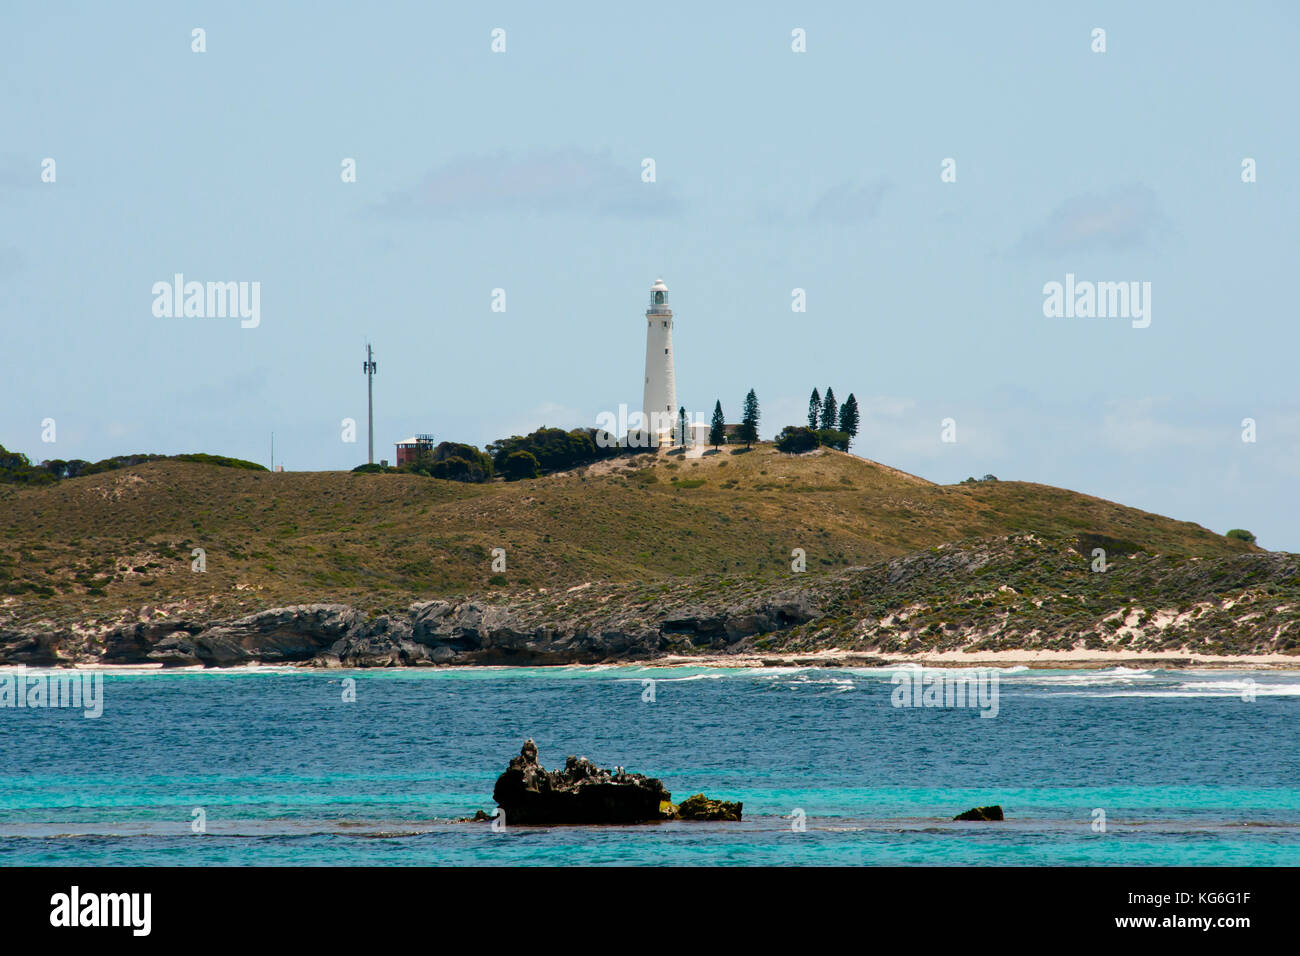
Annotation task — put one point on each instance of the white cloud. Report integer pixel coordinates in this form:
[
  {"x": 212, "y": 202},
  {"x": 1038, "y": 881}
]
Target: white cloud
[
  {"x": 548, "y": 182},
  {"x": 1136, "y": 426},
  {"x": 1123, "y": 218}
]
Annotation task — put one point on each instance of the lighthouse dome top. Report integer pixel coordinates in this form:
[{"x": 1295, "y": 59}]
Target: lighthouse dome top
[{"x": 659, "y": 298}]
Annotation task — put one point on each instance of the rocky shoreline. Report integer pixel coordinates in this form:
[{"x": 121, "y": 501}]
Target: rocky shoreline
[
  {"x": 430, "y": 633},
  {"x": 1016, "y": 600},
  {"x": 467, "y": 634}
]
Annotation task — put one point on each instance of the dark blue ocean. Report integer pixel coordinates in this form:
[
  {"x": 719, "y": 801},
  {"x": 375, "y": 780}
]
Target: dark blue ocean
[{"x": 1188, "y": 767}]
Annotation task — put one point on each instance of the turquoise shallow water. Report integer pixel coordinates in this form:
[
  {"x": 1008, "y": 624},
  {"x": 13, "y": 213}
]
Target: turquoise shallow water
[{"x": 286, "y": 772}]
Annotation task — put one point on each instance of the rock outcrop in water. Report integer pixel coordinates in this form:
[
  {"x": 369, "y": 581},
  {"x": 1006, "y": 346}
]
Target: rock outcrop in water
[
  {"x": 700, "y": 807},
  {"x": 580, "y": 793},
  {"x": 984, "y": 814}
]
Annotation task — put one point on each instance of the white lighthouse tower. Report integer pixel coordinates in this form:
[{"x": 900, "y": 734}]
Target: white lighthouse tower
[{"x": 659, "y": 403}]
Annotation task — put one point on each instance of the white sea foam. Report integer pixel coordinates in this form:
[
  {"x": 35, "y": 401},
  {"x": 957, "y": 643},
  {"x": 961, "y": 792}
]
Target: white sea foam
[
  {"x": 1236, "y": 687},
  {"x": 1119, "y": 675},
  {"x": 148, "y": 670},
  {"x": 811, "y": 680},
  {"x": 691, "y": 677},
  {"x": 1202, "y": 689}
]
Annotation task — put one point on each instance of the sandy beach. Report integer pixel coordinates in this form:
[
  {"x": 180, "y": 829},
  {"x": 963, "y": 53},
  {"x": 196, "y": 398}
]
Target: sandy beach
[
  {"x": 1081, "y": 659},
  {"x": 1014, "y": 658}
]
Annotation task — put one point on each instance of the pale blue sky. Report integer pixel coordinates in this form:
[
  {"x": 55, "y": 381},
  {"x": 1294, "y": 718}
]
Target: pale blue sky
[{"x": 775, "y": 170}]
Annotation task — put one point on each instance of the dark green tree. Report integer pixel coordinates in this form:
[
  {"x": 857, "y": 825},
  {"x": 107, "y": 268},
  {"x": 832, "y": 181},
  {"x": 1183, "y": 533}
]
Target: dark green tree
[
  {"x": 849, "y": 418},
  {"x": 795, "y": 440},
  {"x": 749, "y": 422},
  {"x": 830, "y": 410},
  {"x": 455, "y": 469},
  {"x": 519, "y": 464},
  {"x": 681, "y": 427},
  {"x": 480, "y": 465},
  {"x": 833, "y": 438},
  {"x": 718, "y": 427},
  {"x": 554, "y": 448},
  {"x": 814, "y": 410}
]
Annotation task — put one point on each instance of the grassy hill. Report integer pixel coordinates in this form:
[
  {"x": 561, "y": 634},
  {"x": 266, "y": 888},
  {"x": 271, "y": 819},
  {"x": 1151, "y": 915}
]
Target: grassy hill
[{"x": 102, "y": 547}]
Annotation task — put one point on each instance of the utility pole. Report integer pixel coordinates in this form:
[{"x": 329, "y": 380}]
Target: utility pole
[{"x": 369, "y": 367}]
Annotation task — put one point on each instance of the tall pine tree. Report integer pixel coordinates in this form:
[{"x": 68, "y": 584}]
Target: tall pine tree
[
  {"x": 830, "y": 410},
  {"x": 749, "y": 424},
  {"x": 814, "y": 410},
  {"x": 681, "y": 427},
  {"x": 718, "y": 427},
  {"x": 849, "y": 417}
]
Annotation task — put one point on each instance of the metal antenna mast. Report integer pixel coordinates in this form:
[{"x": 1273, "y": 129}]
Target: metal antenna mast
[{"x": 369, "y": 367}]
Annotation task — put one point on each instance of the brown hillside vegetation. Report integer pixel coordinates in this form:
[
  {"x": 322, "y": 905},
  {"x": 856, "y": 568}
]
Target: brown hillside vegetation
[{"x": 105, "y": 546}]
